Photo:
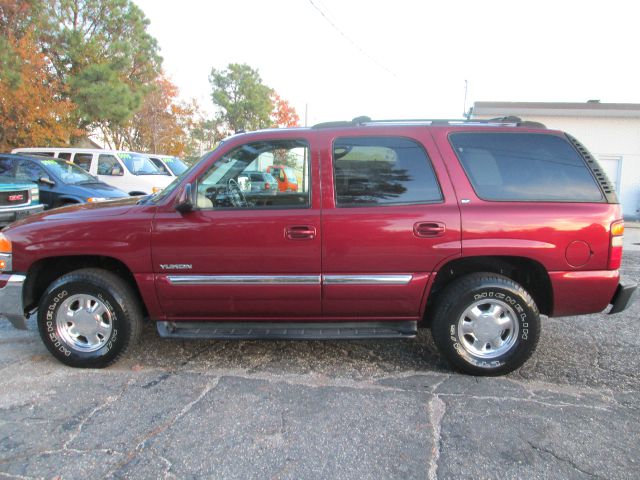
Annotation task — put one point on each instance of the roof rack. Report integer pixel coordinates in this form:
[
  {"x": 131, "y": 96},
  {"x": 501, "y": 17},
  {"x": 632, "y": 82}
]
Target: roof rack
[{"x": 510, "y": 121}]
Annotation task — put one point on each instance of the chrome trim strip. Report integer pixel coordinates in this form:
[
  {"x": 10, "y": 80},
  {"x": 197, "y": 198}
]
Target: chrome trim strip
[
  {"x": 366, "y": 279},
  {"x": 244, "y": 279},
  {"x": 289, "y": 279}
]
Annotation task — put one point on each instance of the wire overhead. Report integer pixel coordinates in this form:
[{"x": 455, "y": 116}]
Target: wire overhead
[{"x": 352, "y": 42}]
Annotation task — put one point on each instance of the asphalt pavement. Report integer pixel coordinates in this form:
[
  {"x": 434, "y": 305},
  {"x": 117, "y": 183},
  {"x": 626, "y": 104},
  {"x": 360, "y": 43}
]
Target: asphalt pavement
[{"x": 335, "y": 410}]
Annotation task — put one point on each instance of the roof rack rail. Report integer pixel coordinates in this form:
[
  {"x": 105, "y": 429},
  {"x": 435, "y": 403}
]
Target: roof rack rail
[{"x": 510, "y": 121}]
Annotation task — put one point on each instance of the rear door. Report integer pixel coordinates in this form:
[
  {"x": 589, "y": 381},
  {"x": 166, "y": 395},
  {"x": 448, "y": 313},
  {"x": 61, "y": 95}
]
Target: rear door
[{"x": 390, "y": 218}]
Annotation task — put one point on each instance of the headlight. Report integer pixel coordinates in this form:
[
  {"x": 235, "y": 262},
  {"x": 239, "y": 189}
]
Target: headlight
[
  {"x": 5, "y": 254},
  {"x": 95, "y": 199},
  {"x": 156, "y": 189},
  {"x": 35, "y": 194}
]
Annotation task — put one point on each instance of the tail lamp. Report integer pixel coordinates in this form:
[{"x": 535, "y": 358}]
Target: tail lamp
[{"x": 615, "y": 249}]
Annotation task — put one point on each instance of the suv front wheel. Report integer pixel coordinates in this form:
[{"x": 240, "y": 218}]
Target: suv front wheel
[
  {"x": 486, "y": 324},
  {"x": 89, "y": 317}
]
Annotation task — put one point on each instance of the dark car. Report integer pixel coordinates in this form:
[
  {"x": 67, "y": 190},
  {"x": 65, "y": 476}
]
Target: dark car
[
  {"x": 257, "y": 183},
  {"x": 61, "y": 182}
]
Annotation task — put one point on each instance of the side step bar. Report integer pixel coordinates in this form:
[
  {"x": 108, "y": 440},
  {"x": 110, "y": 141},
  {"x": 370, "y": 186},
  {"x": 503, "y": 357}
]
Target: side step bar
[{"x": 287, "y": 330}]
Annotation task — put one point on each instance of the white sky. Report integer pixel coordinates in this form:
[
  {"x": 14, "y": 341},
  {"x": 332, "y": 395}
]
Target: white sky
[{"x": 403, "y": 58}]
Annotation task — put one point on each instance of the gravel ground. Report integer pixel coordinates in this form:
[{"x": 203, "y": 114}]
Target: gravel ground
[{"x": 356, "y": 409}]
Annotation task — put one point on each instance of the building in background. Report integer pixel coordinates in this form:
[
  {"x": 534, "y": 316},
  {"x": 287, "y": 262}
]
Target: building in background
[{"x": 611, "y": 132}]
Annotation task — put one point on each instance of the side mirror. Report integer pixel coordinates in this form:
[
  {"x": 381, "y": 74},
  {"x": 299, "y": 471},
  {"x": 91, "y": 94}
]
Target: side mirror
[
  {"x": 46, "y": 181},
  {"x": 185, "y": 202},
  {"x": 117, "y": 171}
]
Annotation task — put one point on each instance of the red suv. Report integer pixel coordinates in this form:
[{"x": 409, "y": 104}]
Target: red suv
[{"x": 472, "y": 228}]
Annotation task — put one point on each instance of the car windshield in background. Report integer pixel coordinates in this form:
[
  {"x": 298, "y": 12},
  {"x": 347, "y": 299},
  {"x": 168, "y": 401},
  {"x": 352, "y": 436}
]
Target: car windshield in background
[
  {"x": 176, "y": 165},
  {"x": 139, "y": 164},
  {"x": 68, "y": 172}
]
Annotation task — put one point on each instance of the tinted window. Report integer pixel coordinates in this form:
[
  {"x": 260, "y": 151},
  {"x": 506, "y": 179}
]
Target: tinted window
[
  {"x": 6, "y": 167},
  {"x": 140, "y": 164},
  {"x": 109, "y": 165},
  {"x": 160, "y": 166},
  {"x": 227, "y": 184},
  {"x": 382, "y": 171},
  {"x": 65, "y": 155},
  {"x": 524, "y": 167},
  {"x": 30, "y": 171},
  {"x": 83, "y": 160}
]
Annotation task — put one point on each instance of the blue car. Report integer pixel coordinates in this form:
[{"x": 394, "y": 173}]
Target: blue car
[{"x": 61, "y": 182}]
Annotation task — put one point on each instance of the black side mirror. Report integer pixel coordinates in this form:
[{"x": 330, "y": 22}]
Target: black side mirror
[
  {"x": 186, "y": 202},
  {"x": 46, "y": 181}
]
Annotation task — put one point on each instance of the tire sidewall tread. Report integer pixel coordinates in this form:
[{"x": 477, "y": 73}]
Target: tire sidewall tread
[
  {"x": 115, "y": 293},
  {"x": 462, "y": 293}
]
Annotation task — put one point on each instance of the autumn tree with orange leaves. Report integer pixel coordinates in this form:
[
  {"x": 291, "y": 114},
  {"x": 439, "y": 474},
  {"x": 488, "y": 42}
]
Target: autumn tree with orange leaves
[
  {"x": 283, "y": 115},
  {"x": 32, "y": 107},
  {"x": 161, "y": 125}
]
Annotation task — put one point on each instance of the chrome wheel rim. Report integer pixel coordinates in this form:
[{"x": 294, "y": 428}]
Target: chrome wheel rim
[
  {"x": 488, "y": 328},
  {"x": 84, "y": 322}
]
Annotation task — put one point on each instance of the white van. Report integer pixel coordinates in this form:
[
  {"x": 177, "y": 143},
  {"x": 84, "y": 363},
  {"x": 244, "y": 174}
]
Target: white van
[
  {"x": 169, "y": 164},
  {"x": 129, "y": 171}
]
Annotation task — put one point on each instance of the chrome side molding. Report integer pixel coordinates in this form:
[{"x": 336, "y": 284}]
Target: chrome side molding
[{"x": 290, "y": 279}]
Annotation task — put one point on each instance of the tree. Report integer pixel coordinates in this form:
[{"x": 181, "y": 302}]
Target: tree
[
  {"x": 161, "y": 125},
  {"x": 244, "y": 101},
  {"x": 32, "y": 109},
  {"x": 101, "y": 52},
  {"x": 283, "y": 114}
]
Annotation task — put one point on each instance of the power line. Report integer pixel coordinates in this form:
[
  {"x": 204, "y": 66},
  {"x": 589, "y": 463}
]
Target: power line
[{"x": 346, "y": 37}]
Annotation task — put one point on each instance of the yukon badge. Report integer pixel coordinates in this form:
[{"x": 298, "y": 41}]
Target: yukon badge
[{"x": 175, "y": 266}]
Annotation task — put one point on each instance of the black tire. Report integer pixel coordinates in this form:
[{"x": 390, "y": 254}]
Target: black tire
[
  {"x": 123, "y": 316},
  {"x": 488, "y": 292}
]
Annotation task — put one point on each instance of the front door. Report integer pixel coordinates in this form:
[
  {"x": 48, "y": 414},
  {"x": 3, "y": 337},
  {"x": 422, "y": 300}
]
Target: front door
[
  {"x": 390, "y": 218},
  {"x": 246, "y": 251}
]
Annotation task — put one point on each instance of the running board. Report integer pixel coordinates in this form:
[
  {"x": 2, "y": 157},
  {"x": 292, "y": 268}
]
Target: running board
[{"x": 287, "y": 330}]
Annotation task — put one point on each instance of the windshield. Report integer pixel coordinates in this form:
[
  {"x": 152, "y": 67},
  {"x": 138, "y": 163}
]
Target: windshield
[
  {"x": 139, "y": 164},
  {"x": 176, "y": 165},
  {"x": 67, "y": 172}
]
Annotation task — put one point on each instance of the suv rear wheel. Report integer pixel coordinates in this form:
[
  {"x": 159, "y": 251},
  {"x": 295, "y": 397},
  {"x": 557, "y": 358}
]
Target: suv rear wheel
[
  {"x": 486, "y": 324},
  {"x": 88, "y": 318}
]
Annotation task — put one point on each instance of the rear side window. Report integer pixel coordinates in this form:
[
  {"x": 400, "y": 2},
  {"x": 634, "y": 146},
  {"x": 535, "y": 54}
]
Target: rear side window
[
  {"x": 65, "y": 155},
  {"x": 524, "y": 167},
  {"x": 83, "y": 160},
  {"x": 370, "y": 171}
]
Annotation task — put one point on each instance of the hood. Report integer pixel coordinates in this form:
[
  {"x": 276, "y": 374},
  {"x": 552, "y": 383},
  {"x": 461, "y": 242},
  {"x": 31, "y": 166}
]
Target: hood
[
  {"x": 97, "y": 189},
  {"x": 108, "y": 208}
]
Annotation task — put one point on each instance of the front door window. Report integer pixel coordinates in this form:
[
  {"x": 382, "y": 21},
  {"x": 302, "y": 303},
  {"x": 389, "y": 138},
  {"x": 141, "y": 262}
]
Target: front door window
[{"x": 242, "y": 178}]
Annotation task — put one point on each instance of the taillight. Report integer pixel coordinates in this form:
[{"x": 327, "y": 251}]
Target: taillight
[
  {"x": 615, "y": 250},
  {"x": 267, "y": 186}
]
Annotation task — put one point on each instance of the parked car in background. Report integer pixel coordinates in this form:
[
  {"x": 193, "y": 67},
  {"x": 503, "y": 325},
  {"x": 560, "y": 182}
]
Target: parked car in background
[
  {"x": 18, "y": 199},
  {"x": 286, "y": 177},
  {"x": 131, "y": 172},
  {"x": 61, "y": 182},
  {"x": 257, "y": 183},
  {"x": 171, "y": 165}
]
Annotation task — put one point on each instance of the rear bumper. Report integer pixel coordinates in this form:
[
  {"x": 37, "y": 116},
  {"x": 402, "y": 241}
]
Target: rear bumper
[
  {"x": 9, "y": 215},
  {"x": 11, "y": 306},
  {"x": 623, "y": 297}
]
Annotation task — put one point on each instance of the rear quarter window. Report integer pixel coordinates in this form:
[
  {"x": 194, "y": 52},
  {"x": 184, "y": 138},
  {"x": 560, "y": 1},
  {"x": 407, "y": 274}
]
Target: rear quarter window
[{"x": 524, "y": 167}]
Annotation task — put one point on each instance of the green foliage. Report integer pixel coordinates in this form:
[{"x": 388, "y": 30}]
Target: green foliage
[
  {"x": 244, "y": 101},
  {"x": 102, "y": 97}
]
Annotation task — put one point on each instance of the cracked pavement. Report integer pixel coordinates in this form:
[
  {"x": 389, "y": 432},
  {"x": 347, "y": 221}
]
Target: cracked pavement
[{"x": 353, "y": 409}]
